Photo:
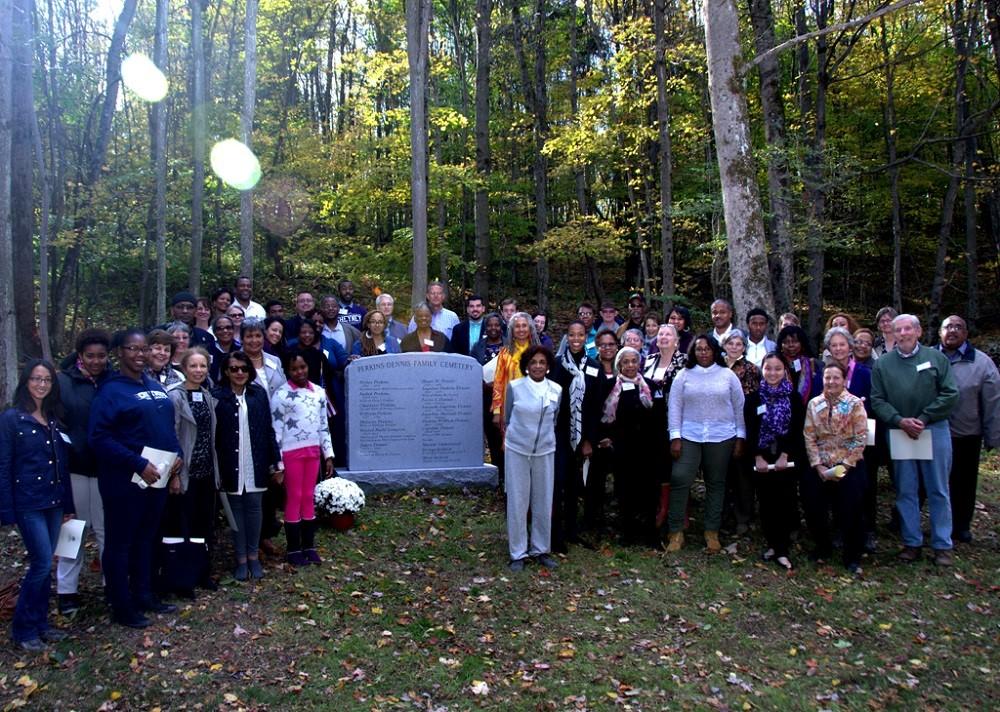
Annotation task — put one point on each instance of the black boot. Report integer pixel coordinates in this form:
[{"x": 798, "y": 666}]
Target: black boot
[
  {"x": 309, "y": 542},
  {"x": 293, "y": 534}
]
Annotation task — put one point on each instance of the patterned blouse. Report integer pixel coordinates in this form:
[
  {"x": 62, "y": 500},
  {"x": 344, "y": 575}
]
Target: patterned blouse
[
  {"x": 835, "y": 432},
  {"x": 748, "y": 374}
]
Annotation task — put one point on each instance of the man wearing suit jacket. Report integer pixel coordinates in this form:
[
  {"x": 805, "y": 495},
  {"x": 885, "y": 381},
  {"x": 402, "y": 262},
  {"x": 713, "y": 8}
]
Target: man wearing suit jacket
[{"x": 467, "y": 333}]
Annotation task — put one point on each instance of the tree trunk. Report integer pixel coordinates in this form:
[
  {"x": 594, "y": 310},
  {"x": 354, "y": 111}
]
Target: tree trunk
[
  {"x": 781, "y": 257},
  {"x": 665, "y": 154},
  {"x": 95, "y": 159},
  {"x": 198, "y": 147},
  {"x": 246, "y": 131},
  {"x": 8, "y": 325},
  {"x": 43, "y": 235},
  {"x": 941, "y": 256},
  {"x": 22, "y": 194},
  {"x": 418, "y": 15},
  {"x": 731, "y": 125},
  {"x": 160, "y": 167},
  {"x": 541, "y": 131},
  {"x": 484, "y": 12},
  {"x": 889, "y": 133}
]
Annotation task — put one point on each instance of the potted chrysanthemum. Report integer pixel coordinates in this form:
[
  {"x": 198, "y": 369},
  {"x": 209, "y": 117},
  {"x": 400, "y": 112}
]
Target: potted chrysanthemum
[{"x": 338, "y": 500}]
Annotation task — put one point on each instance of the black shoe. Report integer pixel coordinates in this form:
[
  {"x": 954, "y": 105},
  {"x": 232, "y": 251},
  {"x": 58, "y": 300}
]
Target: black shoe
[
  {"x": 547, "y": 561},
  {"x": 209, "y": 584},
  {"x": 516, "y": 566},
  {"x": 560, "y": 547},
  {"x": 133, "y": 620},
  {"x": 871, "y": 543},
  {"x": 964, "y": 536},
  {"x": 69, "y": 603},
  {"x": 158, "y": 607}
]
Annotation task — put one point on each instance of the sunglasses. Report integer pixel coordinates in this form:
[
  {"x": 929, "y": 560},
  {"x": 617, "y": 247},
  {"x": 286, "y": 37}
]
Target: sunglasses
[{"x": 238, "y": 369}]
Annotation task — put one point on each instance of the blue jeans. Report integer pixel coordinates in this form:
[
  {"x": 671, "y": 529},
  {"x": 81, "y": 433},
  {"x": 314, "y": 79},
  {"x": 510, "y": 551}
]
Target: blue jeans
[
  {"x": 40, "y": 533},
  {"x": 934, "y": 475}
]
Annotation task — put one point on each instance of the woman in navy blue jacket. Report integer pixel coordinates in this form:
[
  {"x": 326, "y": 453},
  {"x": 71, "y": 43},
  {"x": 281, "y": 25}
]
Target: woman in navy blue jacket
[
  {"x": 35, "y": 494},
  {"x": 131, "y": 411}
]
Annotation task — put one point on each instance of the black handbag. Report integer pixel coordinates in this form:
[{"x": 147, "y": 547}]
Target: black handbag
[{"x": 183, "y": 564}]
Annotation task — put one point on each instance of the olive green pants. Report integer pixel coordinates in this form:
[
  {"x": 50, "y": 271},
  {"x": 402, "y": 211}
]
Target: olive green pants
[{"x": 713, "y": 459}]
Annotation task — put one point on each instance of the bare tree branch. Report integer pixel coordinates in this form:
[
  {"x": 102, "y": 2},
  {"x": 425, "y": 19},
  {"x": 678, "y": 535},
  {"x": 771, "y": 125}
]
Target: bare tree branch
[{"x": 840, "y": 27}]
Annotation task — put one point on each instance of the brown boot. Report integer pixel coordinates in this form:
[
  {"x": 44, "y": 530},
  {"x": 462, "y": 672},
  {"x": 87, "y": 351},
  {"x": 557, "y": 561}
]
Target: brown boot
[
  {"x": 664, "y": 508},
  {"x": 712, "y": 545},
  {"x": 675, "y": 542}
]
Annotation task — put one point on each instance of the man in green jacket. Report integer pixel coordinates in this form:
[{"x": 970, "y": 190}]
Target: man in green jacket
[{"x": 914, "y": 391}]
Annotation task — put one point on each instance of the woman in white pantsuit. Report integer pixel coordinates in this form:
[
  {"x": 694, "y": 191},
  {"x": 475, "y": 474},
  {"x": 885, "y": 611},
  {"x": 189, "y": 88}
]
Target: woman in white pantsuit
[{"x": 530, "y": 410}]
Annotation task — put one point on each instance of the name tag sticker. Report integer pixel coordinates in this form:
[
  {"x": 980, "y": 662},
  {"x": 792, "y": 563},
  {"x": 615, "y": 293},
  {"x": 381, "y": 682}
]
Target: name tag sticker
[
  {"x": 590, "y": 371},
  {"x": 65, "y": 438},
  {"x": 658, "y": 395},
  {"x": 820, "y": 406},
  {"x": 381, "y": 347},
  {"x": 923, "y": 366},
  {"x": 428, "y": 342},
  {"x": 197, "y": 397},
  {"x": 628, "y": 386},
  {"x": 553, "y": 397},
  {"x": 343, "y": 311},
  {"x": 591, "y": 345},
  {"x": 797, "y": 365},
  {"x": 761, "y": 409}
]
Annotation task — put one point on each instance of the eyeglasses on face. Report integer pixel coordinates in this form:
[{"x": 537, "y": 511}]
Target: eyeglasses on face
[
  {"x": 224, "y": 327},
  {"x": 133, "y": 349},
  {"x": 44, "y": 380},
  {"x": 238, "y": 369}
]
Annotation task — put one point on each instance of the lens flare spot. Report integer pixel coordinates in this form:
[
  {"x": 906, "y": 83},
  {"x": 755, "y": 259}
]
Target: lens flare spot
[
  {"x": 144, "y": 79},
  {"x": 235, "y": 164}
]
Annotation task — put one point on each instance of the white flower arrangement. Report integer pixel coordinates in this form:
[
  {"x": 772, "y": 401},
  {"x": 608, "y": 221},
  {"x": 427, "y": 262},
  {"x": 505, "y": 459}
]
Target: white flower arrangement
[{"x": 338, "y": 495}]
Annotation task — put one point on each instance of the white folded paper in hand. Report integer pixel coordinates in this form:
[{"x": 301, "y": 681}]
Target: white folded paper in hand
[
  {"x": 772, "y": 468},
  {"x": 870, "y": 440},
  {"x": 163, "y": 461},
  {"x": 903, "y": 447},
  {"x": 70, "y": 539}
]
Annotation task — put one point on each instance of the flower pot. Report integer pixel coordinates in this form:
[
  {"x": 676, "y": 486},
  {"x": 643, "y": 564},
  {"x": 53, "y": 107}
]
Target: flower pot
[{"x": 340, "y": 522}]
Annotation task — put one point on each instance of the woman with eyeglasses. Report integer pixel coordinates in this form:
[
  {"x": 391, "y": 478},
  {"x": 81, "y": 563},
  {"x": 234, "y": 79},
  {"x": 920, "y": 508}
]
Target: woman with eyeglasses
[
  {"x": 247, "y": 454},
  {"x": 374, "y": 340},
  {"x": 130, "y": 412},
  {"x": 35, "y": 494},
  {"x": 225, "y": 343}
]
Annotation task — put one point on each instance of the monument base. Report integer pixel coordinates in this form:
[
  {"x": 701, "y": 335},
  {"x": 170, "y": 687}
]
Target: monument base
[{"x": 431, "y": 478}]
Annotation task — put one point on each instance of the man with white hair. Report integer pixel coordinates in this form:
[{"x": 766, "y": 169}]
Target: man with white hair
[
  {"x": 386, "y": 304},
  {"x": 914, "y": 391}
]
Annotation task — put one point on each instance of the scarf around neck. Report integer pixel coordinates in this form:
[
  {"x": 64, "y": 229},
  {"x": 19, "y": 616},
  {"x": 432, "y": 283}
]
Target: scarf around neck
[{"x": 611, "y": 404}]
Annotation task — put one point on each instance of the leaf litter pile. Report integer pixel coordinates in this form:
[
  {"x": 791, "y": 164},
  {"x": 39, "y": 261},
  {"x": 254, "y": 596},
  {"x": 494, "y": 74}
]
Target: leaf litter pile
[{"x": 414, "y": 609}]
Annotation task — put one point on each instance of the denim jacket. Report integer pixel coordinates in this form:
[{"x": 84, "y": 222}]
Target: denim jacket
[{"x": 34, "y": 466}]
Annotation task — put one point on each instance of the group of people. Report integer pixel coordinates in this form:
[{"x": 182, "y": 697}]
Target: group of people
[
  {"x": 247, "y": 402},
  {"x": 774, "y": 431}
]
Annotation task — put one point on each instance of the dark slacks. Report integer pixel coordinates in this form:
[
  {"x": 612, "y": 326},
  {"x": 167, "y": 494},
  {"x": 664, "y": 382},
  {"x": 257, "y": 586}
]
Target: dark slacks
[
  {"x": 132, "y": 522},
  {"x": 778, "y": 507},
  {"x": 845, "y": 498},
  {"x": 963, "y": 480}
]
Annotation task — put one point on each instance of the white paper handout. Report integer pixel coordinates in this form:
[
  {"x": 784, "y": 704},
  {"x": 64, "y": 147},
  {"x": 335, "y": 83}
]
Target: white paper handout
[
  {"x": 490, "y": 371},
  {"x": 870, "y": 440},
  {"x": 162, "y": 461},
  {"x": 903, "y": 447},
  {"x": 586, "y": 471},
  {"x": 70, "y": 539}
]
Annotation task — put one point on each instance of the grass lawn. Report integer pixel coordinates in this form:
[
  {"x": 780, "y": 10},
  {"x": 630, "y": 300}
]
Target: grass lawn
[{"x": 415, "y": 610}]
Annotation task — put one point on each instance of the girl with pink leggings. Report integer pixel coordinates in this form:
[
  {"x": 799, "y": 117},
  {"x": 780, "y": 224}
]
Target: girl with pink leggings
[{"x": 299, "y": 412}]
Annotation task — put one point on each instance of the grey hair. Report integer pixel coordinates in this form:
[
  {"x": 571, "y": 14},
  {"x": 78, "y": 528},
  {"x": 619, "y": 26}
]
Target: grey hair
[
  {"x": 175, "y": 326},
  {"x": 838, "y": 331},
  {"x": 422, "y": 305},
  {"x": 642, "y": 337},
  {"x": 382, "y": 297},
  {"x": 906, "y": 317},
  {"x": 669, "y": 326},
  {"x": 508, "y": 341},
  {"x": 734, "y": 334},
  {"x": 625, "y": 350}
]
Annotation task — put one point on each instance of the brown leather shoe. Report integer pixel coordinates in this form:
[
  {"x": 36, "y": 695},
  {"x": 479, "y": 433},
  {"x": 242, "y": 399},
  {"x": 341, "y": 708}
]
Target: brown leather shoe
[
  {"x": 675, "y": 542},
  {"x": 943, "y": 557},
  {"x": 712, "y": 545},
  {"x": 909, "y": 554},
  {"x": 268, "y": 547}
]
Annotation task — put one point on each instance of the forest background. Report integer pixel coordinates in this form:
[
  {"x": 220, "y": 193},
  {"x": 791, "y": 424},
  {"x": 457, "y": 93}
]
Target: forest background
[{"x": 570, "y": 152}]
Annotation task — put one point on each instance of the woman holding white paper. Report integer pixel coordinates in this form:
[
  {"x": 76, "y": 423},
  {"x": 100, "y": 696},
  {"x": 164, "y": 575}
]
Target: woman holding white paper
[
  {"x": 130, "y": 413},
  {"x": 774, "y": 418},
  {"x": 835, "y": 431},
  {"x": 35, "y": 494}
]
